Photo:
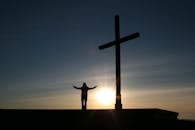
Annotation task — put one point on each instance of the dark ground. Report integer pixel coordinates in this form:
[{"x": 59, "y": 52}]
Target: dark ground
[{"x": 126, "y": 119}]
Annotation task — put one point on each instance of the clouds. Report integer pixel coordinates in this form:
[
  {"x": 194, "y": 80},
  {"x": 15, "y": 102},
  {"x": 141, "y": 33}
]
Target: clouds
[{"x": 46, "y": 46}]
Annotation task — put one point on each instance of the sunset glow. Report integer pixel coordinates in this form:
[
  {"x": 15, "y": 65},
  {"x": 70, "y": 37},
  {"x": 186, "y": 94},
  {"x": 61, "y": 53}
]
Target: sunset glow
[
  {"x": 105, "y": 96},
  {"x": 49, "y": 46}
]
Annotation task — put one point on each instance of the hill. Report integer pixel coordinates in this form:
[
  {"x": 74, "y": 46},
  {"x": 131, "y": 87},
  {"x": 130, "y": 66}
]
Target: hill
[{"x": 126, "y": 119}]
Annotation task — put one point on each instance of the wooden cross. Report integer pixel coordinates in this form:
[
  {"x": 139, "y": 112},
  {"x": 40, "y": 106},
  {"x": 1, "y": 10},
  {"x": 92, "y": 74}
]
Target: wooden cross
[{"x": 116, "y": 43}]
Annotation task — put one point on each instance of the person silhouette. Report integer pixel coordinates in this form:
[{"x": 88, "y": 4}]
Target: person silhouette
[{"x": 84, "y": 89}]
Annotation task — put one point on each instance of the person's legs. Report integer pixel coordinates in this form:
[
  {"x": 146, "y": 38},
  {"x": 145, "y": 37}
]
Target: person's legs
[
  {"x": 82, "y": 103},
  {"x": 85, "y": 103}
]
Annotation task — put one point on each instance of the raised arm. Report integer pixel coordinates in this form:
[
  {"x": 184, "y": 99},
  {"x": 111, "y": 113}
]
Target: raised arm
[
  {"x": 76, "y": 87},
  {"x": 93, "y": 87}
]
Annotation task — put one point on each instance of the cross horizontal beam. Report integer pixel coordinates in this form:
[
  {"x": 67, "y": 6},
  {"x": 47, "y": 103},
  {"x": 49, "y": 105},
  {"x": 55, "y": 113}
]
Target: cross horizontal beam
[{"x": 124, "y": 39}]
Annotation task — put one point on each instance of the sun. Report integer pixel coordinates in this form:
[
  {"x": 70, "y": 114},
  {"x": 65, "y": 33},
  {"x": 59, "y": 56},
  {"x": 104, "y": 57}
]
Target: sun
[{"x": 105, "y": 96}]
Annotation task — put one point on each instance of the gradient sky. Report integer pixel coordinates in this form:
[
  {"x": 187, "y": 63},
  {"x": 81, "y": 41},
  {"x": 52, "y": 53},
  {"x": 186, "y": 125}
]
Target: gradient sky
[{"x": 46, "y": 46}]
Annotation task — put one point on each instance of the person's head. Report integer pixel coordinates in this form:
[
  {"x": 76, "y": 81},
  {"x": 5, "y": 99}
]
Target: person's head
[{"x": 84, "y": 84}]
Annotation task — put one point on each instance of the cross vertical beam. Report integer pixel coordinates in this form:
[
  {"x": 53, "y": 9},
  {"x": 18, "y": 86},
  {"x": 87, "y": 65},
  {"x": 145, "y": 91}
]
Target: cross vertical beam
[
  {"x": 118, "y": 104},
  {"x": 116, "y": 43}
]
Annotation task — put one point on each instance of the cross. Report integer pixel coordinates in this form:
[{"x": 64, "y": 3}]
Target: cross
[{"x": 116, "y": 43}]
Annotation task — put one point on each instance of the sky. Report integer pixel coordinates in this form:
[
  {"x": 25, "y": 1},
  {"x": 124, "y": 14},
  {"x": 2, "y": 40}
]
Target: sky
[{"x": 47, "y": 46}]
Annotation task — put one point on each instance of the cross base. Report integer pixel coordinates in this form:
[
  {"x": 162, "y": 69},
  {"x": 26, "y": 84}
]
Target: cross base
[
  {"x": 84, "y": 107},
  {"x": 118, "y": 106}
]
